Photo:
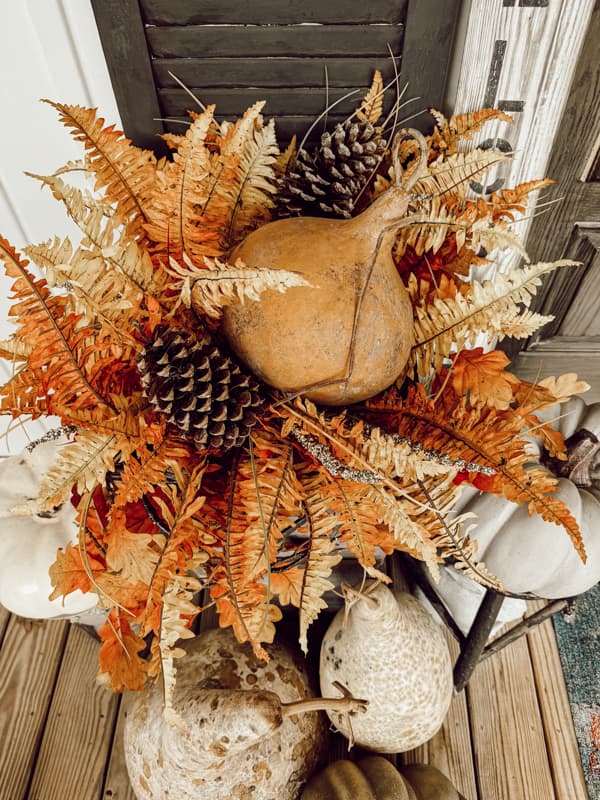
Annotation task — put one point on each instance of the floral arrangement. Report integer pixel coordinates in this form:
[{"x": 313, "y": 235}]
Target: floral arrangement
[{"x": 191, "y": 478}]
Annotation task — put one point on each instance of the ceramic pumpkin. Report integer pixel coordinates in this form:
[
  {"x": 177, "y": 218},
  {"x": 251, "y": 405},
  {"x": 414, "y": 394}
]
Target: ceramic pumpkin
[
  {"x": 246, "y": 727},
  {"x": 348, "y": 334},
  {"x": 528, "y": 554},
  {"x": 375, "y": 778},
  {"x": 389, "y": 651},
  {"x": 28, "y": 544}
]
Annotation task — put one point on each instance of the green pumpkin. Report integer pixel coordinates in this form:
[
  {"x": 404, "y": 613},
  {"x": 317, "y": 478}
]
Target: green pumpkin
[{"x": 375, "y": 778}]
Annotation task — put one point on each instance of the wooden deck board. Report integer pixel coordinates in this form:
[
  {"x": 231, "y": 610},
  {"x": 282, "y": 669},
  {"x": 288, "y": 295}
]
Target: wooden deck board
[
  {"x": 509, "y": 736},
  {"x": 561, "y": 744},
  {"x": 79, "y": 731},
  {"x": 29, "y": 664}
]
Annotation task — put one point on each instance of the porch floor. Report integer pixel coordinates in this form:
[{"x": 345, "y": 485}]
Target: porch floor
[{"x": 508, "y": 736}]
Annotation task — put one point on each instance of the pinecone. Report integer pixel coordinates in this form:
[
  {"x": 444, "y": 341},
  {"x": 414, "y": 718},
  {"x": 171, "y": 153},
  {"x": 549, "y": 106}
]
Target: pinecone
[
  {"x": 202, "y": 391},
  {"x": 331, "y": 179}
]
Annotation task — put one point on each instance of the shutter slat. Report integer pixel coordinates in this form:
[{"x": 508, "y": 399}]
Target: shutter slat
[
  {"x": 271, "y": 72},
  {"x": 301, "y": 101},
  {"x": 270, "y": 12},
  {"x": 281, "y": 40}
]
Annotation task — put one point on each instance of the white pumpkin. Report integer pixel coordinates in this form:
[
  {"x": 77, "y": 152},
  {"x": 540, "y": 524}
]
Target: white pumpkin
[
  {"x": 389, "y": 651},
  {"x": 28, "y": 544},
  {"x": 528, "y": 554}
]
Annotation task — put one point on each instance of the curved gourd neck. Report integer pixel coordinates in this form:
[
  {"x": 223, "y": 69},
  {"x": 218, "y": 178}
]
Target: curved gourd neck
[{"x": 380, "y": 221}]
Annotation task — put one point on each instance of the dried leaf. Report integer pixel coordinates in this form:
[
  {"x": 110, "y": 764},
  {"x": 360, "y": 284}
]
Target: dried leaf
[{"x": 371, "y": 108}]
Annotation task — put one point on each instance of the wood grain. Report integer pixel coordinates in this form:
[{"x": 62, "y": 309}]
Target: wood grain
[
  {"x": 124, "y": 44},
  {"x": 450, "y": 749},
  {"x": 282, "y": 71},
  {"x": 79, "y": 729},
  {"x": 507, "y": 730},
  {"x": 270, "y": 12},
  {"x": 299, "y": 101},
  {"x": 542, "y": 45},
  {"x": 29, "y": 662},
  {"x": 560, "y": 737},
  {"x": 117, "y": 785},
  {"x": 277, "y": 40},
  {"x": 4, "y": 617}
]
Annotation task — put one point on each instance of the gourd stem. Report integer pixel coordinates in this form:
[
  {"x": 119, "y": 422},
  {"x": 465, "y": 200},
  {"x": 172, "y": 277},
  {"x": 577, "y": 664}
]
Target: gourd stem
[
  {"x": 341, "y": 705},
  {"x": 583, "y": 451}
]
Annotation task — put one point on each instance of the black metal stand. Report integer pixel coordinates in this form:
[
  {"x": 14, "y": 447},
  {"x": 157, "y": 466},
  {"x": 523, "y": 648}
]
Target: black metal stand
[{"x": 475, "y": 646}]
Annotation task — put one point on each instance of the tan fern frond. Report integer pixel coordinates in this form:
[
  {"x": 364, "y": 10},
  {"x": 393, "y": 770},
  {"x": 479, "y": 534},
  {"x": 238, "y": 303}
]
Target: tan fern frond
[
  {"x": 448, "y": 133},
  {"x": 492, "y": 307},
  {"x": 125, "y": 173},
  {"x": 209, "y": 290},
  {"x": 320, "y": 558},
  {"x": 453, "y": 175},
  {"x": 371, "y": 108},
  {"x": 81, "y": 464},
  {"x": 247, "y": 194},
  {"x": 177, "y": 225},
  {"x": 104, "y": 236}
]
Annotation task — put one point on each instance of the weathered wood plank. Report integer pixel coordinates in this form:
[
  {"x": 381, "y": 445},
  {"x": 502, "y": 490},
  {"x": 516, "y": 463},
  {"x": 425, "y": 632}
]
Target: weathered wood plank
[
  {"x": 285, "y": 127},
  {"x": 450, "y": 749},
  {"x": 117, "y": 785},
  {"x": 124, "y": 44},
  {"x": 428, "y": 51},
  {"x": 4, "y": 618},
  {"x": 78, "y": 733},
  {"x": 506, "y": 726},
  {"x": 270, "y": 12},
  {"x": 299, "y": 102},
  {"x": 567, "y": 773},
  {"x": 282, "y": 72},
  {"x": 278, "y": 40},
  {"x": 29, "y": 662}
]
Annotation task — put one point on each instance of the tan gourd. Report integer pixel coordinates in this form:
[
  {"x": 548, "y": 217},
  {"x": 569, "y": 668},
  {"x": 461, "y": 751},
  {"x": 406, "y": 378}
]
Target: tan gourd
[
  {"x": 375, "y": 778},
  {"x": 247, "y": 729},
  {"x": 348, "y": 335}
]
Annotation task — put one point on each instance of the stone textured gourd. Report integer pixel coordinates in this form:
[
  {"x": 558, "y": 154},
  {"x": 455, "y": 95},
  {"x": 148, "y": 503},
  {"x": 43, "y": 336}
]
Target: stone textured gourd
[
  {"x": 234, "y": 741},
  {"x": 348, "y": 335},
  {"x": 375, "y": 778},
  {"x": 28, "y": 543},
  {"x": 390, "y": 652},
  {"x": 528, "y": 554}
]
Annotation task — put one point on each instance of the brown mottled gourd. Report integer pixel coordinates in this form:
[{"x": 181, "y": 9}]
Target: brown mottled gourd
[
  {"x": 239, "y": 727},
  {"x": 375, "y": 778},
  {"x": 347, "y": 335}
]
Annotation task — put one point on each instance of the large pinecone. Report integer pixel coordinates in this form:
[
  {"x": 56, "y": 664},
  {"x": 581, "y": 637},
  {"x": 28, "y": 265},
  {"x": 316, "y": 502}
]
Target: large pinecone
[
  {"x": 330, "y": 180},
  {"x": 202, "y": 391}
]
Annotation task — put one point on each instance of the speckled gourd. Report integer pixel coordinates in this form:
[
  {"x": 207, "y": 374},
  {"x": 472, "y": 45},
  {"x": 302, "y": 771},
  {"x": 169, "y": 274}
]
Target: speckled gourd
[
  {"x": 348, "y": 334},
  {"x": 389, "y": 651},
  {"x": 375, "y": 778},
  {"x": 247, "y": 729}
]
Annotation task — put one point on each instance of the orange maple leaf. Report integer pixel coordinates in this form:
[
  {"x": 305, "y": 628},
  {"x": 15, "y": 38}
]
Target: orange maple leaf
[
  {"x": 483, "y": 378},
  {"x": 69, "y": 572},
  {"x": 120, "y": 663}
]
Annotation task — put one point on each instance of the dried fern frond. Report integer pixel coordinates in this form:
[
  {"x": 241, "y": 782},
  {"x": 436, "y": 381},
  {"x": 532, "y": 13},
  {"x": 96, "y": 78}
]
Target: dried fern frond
[
  {"x": 492, "y": 307},
  {"x": 453, "y": 175},
  {"x": 320, "y": 556},
  {"x": 448, "y": 133},
  {"x": 219, "y": 284},
  {"x": 126, "y": 173},
  {"x": 177, "y": 225},
  {"x": 371, "y": 108}
]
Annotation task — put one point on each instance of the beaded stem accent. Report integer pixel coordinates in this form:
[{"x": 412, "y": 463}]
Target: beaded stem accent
[
  {"x": 338, "y": 468},
  {"x": 52, "y": 436}
]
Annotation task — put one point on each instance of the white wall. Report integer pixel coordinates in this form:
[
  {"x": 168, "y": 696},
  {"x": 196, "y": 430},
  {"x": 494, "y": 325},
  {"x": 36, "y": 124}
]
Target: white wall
[{"x": 51, "y": 49}]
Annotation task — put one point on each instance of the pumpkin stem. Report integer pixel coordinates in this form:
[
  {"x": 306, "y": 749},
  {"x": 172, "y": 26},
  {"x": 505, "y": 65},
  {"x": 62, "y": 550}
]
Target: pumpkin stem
[
  {"x": 341, "y": 705},
  {"x": 583, "y": 453}
]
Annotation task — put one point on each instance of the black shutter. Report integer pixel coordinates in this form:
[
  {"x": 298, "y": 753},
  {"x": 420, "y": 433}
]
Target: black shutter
[{"x": 298, "y": 55}]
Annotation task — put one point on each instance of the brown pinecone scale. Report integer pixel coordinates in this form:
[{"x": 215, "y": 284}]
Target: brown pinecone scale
[
  {"x": 202, "y": 391},
  {"x": 330, "y": 180}
]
